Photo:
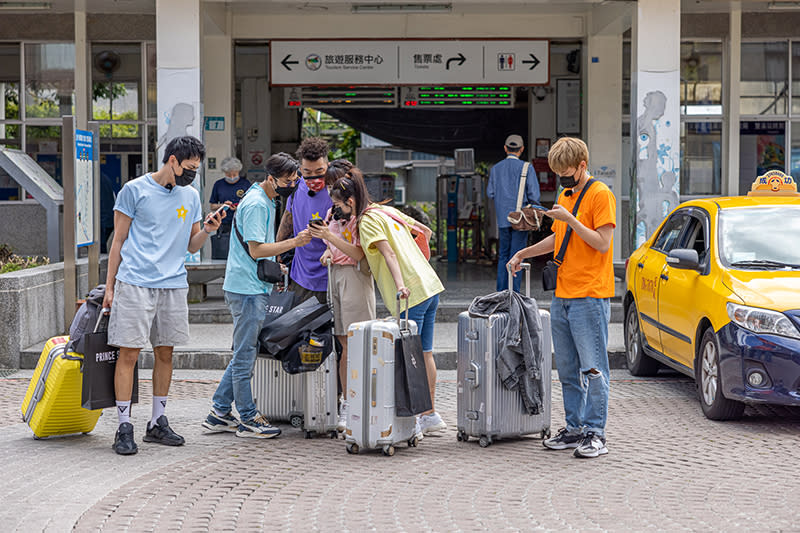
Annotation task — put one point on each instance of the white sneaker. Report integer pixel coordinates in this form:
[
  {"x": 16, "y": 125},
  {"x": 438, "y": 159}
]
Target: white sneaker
[
  {"x": 418, "y": 431},
  {"x": 342, "y": 424},
  {"x": 431, "y": 423}
]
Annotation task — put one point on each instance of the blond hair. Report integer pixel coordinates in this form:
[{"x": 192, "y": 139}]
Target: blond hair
[{"x": 567, "y": 152}]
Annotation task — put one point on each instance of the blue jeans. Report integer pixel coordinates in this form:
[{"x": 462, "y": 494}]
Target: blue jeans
[
  {"x": 424, "y": 315},
  {"x": 249, "y": 312},
  {"x": 580, "y": 344},
  {"x": 510, "y": 242}
]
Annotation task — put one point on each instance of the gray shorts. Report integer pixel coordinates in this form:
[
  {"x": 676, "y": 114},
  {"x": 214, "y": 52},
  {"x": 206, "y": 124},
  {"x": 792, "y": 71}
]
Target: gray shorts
[{"x": 139, "y": 313}]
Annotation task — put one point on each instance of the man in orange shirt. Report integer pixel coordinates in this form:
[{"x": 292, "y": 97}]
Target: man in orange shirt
[{"x": 580, "y": 309}]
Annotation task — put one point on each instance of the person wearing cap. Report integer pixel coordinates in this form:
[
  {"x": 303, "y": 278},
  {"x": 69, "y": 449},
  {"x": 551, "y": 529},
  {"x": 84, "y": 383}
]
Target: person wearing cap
[{"x": 503, "y": 188}]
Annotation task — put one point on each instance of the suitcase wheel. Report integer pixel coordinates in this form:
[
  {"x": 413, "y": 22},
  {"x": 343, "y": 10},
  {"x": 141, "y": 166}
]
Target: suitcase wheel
[
  {"x": 296, "y": 421},
  {"x": 334, "y": 435},
  {"x": 388, "y": 450},
  {"x": 546, "y": 433},
  {"x": 462, "y": 436},
  {"x": 351, "y": 448},
  {"x": 308, "y": 434},
  {"x": 484, "y": 441},
  {"x": 413, "y": 441}
]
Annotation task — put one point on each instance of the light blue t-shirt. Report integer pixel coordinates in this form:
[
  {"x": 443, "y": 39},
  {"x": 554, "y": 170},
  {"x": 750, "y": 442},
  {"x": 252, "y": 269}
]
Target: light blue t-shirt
[
  {"x": 161, "y": 225},
  {"x": 255, "y": 219}
]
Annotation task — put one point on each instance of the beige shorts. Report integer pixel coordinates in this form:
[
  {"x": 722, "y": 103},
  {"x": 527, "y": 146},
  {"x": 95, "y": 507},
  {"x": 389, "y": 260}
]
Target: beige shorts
[
  {"x": 140, "y": 313},
  {"x": 353, "y": 297}
]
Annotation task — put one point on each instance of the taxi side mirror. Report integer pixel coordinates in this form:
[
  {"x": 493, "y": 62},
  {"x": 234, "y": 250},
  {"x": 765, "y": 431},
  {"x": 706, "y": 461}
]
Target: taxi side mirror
[{"x": 684, "y": 258}]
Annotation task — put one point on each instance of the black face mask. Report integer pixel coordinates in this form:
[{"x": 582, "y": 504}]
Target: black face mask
[
  {"x": 339, "y": 214},
  {"x": 284, "y": 191},
  {"x": 568, "y": 182},
  {"x": 186, "y": 178}
]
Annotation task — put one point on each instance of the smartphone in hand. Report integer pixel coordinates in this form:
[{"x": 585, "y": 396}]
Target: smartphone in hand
[
  {"x": 540, "y": 208},
  {"x": 213, "y": 215},
  {"x": 316, "y": 222}
]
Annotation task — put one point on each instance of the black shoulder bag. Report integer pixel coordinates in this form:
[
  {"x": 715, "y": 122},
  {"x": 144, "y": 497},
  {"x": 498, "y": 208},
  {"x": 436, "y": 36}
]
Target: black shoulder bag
[
  {"x": 266, "y": 269},
  {"x": 550, "y": 270}
]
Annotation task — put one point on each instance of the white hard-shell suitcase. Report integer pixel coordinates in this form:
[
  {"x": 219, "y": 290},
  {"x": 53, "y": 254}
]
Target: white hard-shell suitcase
[
  {"x": 279, "y": 396},
  {"x": 371, "y": 419},
  {"x": 321, "y": 414},
  {"x": 486, "y": 409}
]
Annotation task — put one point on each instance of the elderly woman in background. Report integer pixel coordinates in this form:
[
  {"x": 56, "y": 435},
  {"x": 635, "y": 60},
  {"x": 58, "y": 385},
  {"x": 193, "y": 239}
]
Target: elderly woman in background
[{"x": 228, "y": 190}]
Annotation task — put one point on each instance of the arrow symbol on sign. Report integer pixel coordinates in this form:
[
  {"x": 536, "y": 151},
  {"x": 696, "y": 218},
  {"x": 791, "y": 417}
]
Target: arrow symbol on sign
[
  {"x": 533, "y": 61},
  {"x": 286, "y": 62},
  {"x": 460, "y": 58}
]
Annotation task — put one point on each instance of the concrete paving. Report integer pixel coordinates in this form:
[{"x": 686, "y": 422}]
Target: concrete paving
[{"x": 669, "y": 469}]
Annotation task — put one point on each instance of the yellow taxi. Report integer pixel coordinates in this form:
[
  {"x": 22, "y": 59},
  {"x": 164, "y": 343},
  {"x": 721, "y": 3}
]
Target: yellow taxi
[{"x": 715, "y": 294}]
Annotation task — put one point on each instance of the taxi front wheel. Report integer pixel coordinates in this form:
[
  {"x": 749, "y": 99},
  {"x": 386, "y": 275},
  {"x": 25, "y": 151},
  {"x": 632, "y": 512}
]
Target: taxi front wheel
[
  {"x": 639, "y": 364},
  {"x": 709, "y": 384}
]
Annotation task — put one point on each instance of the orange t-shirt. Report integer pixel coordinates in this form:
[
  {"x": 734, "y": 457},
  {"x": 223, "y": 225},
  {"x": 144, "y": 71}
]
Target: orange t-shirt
[{"x": 585, "y": 272}]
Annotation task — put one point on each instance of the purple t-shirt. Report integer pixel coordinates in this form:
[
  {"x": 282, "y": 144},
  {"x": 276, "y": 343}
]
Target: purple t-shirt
[{"x": 307, "y": 271}]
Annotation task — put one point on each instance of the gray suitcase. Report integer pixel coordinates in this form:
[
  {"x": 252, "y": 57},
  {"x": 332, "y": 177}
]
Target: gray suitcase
[
  {"x": 279, "y": 396},
  {"x": 486, "y": 409}
]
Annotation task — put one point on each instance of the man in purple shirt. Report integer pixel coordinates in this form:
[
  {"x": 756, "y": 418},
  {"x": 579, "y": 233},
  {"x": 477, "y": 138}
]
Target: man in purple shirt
[{"x": 309, "y": 201}]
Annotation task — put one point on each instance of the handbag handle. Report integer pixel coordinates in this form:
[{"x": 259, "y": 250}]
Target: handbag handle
[
  {"x": 563, "y": 250},
  {"x": 522, "y": 181}
]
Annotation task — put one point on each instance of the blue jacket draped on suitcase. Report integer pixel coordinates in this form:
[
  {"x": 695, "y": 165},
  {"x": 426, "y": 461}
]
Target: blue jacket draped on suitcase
[{"x": 519, "y": 361}]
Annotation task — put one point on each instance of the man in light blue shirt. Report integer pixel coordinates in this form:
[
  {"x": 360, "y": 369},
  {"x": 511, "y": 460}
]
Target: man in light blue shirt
[
  {"x": 247, "y": 297},
  {"x": 503, "y": 188},
  {"x": 157, "y": 218}
]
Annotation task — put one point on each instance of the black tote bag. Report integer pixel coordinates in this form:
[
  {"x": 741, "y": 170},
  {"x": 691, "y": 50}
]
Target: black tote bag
[
  {"x": 99, "y": 365},
  {"x": 412, "y": 395}
]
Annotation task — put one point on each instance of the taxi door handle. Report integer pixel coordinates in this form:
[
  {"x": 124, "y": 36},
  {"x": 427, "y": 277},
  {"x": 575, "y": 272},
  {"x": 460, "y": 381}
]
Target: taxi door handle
[
  {"x": 664, "y": 277},
  {"x": 640, "y": 265}
]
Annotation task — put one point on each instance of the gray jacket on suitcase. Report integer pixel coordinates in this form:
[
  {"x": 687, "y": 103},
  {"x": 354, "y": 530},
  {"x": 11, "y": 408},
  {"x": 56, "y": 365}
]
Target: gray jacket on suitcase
[{"x": 519, "y": 361}]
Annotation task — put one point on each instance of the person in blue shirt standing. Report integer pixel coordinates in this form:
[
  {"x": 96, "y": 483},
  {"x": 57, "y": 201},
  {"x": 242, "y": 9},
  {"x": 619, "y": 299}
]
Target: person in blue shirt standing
[
  {"x": 157, "y": 218},
  {"x": 503, "y": 188},
  {"x": 247, "y": 297},
  {"x": 229, "y": 190}
]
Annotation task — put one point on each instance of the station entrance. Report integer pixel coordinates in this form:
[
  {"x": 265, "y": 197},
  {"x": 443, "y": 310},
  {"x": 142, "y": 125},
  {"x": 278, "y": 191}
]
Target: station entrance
[{"x": 415, "y": 103}]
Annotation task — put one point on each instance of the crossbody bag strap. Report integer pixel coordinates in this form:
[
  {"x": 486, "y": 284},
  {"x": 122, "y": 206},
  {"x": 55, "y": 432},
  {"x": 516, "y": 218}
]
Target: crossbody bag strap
[
  {"x": 392, "y": 216},
  {"x": 522, "y": 181},
  {"x": 241, "y": 239},
  {"x": 568, "y": 234}
]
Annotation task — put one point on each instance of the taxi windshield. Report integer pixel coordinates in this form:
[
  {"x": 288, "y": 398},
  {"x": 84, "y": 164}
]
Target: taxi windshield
[{"x": 764, "y": 238}]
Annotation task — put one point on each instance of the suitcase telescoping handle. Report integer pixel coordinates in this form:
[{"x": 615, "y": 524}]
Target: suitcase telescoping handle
[
  {"x": 404, "y": 321},
  {"x": 330, "y": 284},
  {"x": 103, "y": 313},
  {"x": 527, "y": 268}
]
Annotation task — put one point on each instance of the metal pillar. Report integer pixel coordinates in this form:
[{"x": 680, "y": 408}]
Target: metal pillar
[
  {"x": 68, "y": 228},
  {"x": 94, "y": 249}
]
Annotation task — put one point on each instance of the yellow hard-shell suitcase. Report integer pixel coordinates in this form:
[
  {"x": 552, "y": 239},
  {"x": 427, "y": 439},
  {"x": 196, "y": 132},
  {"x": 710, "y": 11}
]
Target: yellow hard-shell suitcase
[{"x": 52, "y": 404}]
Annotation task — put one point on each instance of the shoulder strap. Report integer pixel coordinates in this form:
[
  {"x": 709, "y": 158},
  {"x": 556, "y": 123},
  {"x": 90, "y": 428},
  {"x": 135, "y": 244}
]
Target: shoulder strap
[
  {"x": 523, "y": 179},
  {"x": 241, "y": 239},
  {"x": 568, "y": 234},
  {"x": 390, "y": 215}
]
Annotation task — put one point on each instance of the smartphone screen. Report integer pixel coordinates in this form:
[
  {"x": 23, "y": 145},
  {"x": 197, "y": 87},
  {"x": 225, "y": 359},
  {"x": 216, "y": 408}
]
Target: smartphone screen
[{"x": 317, "y": 221}]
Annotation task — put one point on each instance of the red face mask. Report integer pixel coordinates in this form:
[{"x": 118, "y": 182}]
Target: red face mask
[{"x": 315, "y": 185}]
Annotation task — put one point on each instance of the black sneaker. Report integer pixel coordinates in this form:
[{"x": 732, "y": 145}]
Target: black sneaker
[
  {"x": 123, "y": 440},
  {"x": 591, "y": 446},
  {"x": 162, "y": 433},
  {"x": 563, "y": 440}
]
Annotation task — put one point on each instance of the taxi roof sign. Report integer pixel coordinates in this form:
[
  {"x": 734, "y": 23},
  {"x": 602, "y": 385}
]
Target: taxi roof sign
[{"x": 774, "y": 183}]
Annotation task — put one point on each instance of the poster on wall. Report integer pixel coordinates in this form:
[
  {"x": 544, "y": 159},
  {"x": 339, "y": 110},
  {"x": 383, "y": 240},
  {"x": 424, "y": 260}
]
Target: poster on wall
[
  {"x": 568, "y": 107},
  {"x": 84, "y": 188}
]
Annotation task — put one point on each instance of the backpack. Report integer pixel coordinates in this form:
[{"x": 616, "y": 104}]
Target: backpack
[{"x": 86, "y": 318}]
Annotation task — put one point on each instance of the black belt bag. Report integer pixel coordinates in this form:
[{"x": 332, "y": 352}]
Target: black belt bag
[{"x": 550, "y": 270}]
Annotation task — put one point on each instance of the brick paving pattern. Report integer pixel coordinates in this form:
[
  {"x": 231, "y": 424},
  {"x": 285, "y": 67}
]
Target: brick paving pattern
[{"x": 668, "y": 469}]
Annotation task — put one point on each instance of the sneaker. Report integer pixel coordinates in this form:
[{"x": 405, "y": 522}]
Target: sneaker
[
  {"x": 123, "y": 440},
  {"x": 563, "y": 440},
  {"x": 259, "y": 427},
  {"x": 161, "y": 433},
  {"x": 431, "y": 423},
  {"x": 342, "y": 424},
  {"x": 591, "y": 446},
  {"x": 216, "y": 423}
]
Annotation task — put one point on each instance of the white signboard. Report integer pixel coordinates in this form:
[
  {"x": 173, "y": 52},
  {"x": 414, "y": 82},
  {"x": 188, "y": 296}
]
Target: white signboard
[
  {"x": 84, "y": 188},
  {"x": 409, "y": 62}
]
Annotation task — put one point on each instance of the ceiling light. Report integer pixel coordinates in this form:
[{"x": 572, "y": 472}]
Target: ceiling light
[
  {"x": 783, "y": 6},
  {"x": 24, "y": 6},
  {"x": 402, "y": 8}
]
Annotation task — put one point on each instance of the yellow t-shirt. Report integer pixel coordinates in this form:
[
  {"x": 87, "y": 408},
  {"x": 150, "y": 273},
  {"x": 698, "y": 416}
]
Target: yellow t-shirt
[
  {"x": 418, "y": 275},
  {"x": 585, "y": 272}
]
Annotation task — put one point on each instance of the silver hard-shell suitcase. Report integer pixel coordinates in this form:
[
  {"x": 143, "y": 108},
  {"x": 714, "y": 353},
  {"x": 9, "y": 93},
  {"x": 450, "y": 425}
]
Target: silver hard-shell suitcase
[
  {"x": 279, "y": 396},
  {"x": 371, "y": 419},
  {"x": 486, "y": 409},
  {"x": 321, "y": 415}
]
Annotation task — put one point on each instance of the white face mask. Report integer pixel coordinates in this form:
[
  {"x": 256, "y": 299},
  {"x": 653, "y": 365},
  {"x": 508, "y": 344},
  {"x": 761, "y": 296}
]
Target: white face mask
[{"x": 232, "y": 180}]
